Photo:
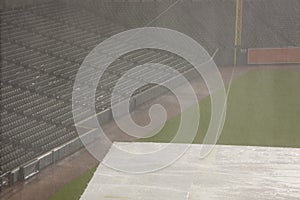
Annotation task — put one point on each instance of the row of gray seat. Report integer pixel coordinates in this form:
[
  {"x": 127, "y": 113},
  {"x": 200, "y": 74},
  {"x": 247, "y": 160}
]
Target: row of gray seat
[
  {"x": 271, "y": 24},
  {"x": 13, "y": 155},
  {"x": 42, "y": 49}
]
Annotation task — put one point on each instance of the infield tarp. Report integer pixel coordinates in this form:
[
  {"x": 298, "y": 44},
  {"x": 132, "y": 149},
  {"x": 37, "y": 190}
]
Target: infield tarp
[{"x": 229, "y": 172}]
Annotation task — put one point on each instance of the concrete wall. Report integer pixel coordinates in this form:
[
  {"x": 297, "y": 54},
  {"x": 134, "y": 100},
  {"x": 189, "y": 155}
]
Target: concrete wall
[
  {"x": 67, "y": 149},
  {"x": 14, "y": 176},
  {"x": 29, "y": 170},
  {"x": 45, "y": 160}
]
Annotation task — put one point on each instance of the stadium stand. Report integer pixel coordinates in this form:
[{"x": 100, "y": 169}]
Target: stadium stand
[
  {"x": 271, "y": 24},
  {"x": 42, "y": 48}
]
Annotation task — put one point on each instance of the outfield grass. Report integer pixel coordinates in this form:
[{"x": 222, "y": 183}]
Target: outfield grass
[
  {"x": 73, "y": 190},
  {"x": 263, "y": 110}
]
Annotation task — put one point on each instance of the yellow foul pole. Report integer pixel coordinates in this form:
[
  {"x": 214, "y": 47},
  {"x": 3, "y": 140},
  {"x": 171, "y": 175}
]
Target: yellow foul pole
[{"x": 238, "y": 27}]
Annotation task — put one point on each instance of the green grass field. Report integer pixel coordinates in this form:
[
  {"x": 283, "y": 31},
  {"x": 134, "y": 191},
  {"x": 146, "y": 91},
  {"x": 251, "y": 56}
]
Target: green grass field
[
  {"x": 74, "y": 189},
  {"x": 263, "y": 110}
]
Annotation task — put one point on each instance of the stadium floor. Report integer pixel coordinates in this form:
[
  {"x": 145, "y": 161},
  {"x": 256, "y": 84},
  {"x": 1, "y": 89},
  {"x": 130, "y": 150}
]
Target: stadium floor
[{"x": 50, "y": 180}]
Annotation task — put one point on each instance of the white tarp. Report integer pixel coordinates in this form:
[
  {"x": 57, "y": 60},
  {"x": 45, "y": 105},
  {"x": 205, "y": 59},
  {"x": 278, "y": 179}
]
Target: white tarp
[{"x": 229, "y": 172}]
